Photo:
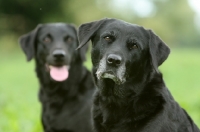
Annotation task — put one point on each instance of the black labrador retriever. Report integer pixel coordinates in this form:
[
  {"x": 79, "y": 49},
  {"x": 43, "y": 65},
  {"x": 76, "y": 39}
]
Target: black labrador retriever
[
  {"x": 66, "y": 86},
  {"x": 131, "y": 94}
]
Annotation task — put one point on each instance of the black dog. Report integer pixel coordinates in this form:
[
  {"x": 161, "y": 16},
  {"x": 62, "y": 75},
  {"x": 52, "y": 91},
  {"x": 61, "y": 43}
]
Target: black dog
[
  {"x": 131, "y": 94},
  {"x": 66, "y": 86}
]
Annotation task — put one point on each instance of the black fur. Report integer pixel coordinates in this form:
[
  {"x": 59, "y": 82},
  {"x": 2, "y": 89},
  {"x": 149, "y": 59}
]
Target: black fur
[
  {"x": 66, "y": 105},
  {"x": 131, "y": 94}
]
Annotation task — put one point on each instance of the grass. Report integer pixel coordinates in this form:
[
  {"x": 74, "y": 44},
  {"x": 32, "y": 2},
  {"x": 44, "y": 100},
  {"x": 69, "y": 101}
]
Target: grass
[
  {"x": 20, "y": 108},
  {"x": 182, "y": 76}
]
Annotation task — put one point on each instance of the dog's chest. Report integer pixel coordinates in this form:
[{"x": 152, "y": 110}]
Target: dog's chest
[
  {"x": 115, "y": 118},
  {"x": 65, "y": 117}
]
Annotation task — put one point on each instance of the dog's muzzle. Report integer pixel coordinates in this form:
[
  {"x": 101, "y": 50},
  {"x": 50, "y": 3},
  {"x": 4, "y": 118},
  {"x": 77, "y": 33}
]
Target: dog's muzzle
[
  {"x": 57, "y": 66},
  {"x": 112, "y": 67}
]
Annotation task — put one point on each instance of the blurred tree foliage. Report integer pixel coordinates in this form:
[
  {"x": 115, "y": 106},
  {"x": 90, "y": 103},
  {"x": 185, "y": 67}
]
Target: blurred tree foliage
[
  {"x": 173, "y": 20},
  {"x": 21, "y": 16}
]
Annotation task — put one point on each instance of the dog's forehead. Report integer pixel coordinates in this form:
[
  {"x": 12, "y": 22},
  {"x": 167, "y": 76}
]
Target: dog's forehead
[
  {"x": 123, "y": 27},
  {"x": 60, "y": 29}
]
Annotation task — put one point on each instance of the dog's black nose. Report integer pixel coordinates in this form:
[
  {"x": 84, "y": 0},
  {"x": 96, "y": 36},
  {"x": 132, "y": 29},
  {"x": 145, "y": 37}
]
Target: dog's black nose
[
  {"x": 59, "y": 54},
  {"x": 114, "y": 59}
]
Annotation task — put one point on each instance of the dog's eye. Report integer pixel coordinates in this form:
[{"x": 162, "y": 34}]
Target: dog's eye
[
  {"x": 69, "y": 39},
  {"x": 133, "y": 45},
  {"x": 108, "y": 39},
  {"x": 47, "y": 39}
]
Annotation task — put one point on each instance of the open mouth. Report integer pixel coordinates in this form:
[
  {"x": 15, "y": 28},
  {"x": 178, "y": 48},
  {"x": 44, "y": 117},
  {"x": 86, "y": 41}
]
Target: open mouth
[{"x": 58, "y": 73}]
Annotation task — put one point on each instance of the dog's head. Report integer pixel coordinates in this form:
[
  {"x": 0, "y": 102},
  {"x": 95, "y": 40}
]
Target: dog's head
[
  {"x": 53, "y": 46},
  {"x": 122, "y": 50}
]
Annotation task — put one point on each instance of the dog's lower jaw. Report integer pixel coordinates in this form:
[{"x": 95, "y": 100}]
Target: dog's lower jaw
[
  {"x": 119, "y": 92},
  {"x": 109, "y": 89},
  {"x": 110, "y": 81}
]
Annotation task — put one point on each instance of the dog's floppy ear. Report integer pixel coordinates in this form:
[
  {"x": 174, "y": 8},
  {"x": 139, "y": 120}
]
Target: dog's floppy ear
[
  {"x": 159, "y": 51},
  {"x": 82, "y": 51},
  {"x": 87, "y": 30},
  {"x": 27, "y": 43}
]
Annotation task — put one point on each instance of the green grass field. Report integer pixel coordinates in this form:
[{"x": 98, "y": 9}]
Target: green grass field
[{"x": 20, "y": 108}]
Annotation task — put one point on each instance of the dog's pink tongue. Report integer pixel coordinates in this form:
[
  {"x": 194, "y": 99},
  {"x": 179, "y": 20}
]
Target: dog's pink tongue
[{"x": 59, "y": 73}]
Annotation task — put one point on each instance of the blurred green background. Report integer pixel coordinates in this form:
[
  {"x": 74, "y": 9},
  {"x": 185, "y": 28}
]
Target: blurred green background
[{"x": 177, "y": 22}]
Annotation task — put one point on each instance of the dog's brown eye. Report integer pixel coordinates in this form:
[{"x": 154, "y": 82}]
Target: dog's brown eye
[
  {"x": 47, "y": 39},
  {"x": 108, "y": 39},
  {"x": 69, "y": 39},
  {"x": 133, "y": 46}
]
